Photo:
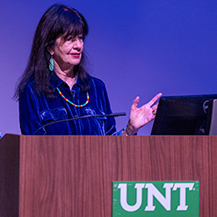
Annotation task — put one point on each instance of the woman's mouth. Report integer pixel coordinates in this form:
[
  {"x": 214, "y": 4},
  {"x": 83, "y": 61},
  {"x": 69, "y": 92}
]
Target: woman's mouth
[{"x": 76, "y": 55}]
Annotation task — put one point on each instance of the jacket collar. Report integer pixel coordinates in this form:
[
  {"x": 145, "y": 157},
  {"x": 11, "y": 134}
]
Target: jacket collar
[{"x": 55, "y": 81}]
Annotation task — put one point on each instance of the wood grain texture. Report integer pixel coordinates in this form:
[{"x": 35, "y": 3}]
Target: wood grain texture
[
  {"x": 183, "y": 158},
  {"x": 212, "y": 174},
  {"x": 64, "y": 176}
]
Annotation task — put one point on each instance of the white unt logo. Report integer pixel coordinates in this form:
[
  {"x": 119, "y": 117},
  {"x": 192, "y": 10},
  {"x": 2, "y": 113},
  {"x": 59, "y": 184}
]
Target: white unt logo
[{"x": 152, "y": 192}]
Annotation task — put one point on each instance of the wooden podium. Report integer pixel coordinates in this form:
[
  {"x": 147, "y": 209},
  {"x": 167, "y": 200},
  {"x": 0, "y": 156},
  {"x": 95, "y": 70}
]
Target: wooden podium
[{"x": 71, "y": 176}]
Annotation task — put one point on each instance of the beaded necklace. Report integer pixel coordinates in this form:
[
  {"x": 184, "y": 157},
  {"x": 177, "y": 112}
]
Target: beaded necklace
[{"x": 70, "y": 102}]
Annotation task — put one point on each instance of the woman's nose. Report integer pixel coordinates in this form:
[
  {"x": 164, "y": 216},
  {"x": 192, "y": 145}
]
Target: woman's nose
[{"x": 78, "y": 44}]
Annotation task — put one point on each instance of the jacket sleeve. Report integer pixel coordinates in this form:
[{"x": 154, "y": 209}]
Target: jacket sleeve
[
  {"x": 29, "y": 116},
  {"x": 110, "y": 125}
]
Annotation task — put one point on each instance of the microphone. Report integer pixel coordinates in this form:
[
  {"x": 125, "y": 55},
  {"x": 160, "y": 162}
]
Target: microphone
[{"x": 117, "y": 114}]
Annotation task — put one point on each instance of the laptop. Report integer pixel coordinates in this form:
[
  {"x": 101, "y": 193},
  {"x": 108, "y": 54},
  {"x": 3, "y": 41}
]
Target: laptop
[{"x": 186, "y": 115}]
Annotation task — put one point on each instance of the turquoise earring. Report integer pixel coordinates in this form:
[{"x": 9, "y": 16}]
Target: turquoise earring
[{"x": 51, "y": 64}]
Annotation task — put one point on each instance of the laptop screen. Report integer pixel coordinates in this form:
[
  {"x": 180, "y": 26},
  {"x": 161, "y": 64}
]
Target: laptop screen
[{"x": 183, "y": 115}]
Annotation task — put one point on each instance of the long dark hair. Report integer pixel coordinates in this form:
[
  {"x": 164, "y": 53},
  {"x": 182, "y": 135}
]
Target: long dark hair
[{"x": 58, "y": 20}]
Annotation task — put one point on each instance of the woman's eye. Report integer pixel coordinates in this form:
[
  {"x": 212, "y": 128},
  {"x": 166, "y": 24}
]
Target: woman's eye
[
  {"x": 72, "y": 39},
  {"x": 69, "y": 38}
]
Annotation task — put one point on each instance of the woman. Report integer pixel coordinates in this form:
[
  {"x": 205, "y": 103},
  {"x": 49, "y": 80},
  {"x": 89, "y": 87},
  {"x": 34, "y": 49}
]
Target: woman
[{"x": 56, "y": 86}]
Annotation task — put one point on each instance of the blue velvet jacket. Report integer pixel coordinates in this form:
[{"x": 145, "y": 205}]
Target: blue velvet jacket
[{"x": 36, "y": 110}]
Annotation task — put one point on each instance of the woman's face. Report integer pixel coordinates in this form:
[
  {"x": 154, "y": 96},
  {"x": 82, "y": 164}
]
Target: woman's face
[{"x": 67, "y": 53}]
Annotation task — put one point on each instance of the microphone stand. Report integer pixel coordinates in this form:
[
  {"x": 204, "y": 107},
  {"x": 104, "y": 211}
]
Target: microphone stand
[{"x": 82, "y": 117}]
